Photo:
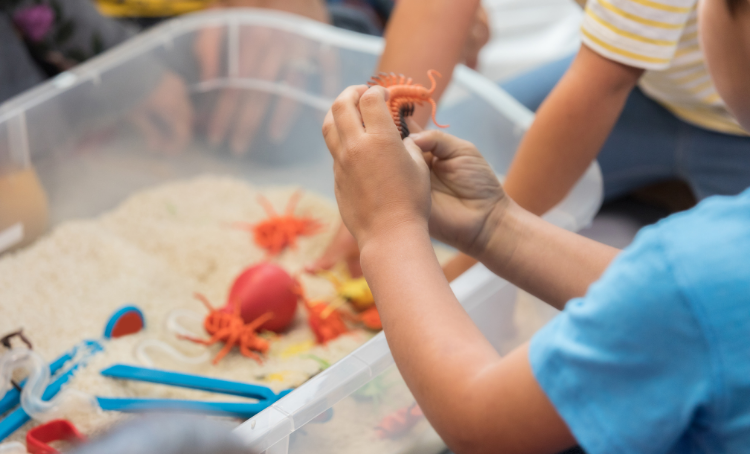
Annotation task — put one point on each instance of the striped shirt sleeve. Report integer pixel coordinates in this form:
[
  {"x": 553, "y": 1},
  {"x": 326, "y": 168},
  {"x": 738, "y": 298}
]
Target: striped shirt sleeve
[{"x": 639, "y": 33}]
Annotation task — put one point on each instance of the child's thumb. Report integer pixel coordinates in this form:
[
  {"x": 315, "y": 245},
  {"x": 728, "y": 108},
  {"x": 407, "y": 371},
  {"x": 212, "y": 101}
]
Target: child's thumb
[
  {"x": 415, "y": 152},
  {"x": 440, "y": 144}
]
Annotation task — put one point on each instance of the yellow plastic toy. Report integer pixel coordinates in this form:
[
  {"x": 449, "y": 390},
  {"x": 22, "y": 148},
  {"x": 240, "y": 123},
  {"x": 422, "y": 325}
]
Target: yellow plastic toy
[{"x": 355, "y": 291}]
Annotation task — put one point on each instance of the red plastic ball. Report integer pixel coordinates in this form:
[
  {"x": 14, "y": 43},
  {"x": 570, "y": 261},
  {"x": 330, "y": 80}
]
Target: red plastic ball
[{"x": 262, "y": 288}]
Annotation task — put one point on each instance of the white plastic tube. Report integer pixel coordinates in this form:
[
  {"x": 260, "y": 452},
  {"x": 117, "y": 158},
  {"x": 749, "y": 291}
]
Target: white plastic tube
[
  {"x": 173, "y": 321},
  {"x": 38, "y": 378},
  {"x": 36, "y": 382},
  {"x": 141, "y": 353},
  {"x": 8, "y": 363}
]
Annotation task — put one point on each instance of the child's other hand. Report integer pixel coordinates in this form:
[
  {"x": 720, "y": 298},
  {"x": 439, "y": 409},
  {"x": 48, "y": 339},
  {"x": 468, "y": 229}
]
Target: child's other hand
[
  {"x": 468, "y": 201},
  {"x": 382, "y": 182},
  {"x": 166, "y": 116}
]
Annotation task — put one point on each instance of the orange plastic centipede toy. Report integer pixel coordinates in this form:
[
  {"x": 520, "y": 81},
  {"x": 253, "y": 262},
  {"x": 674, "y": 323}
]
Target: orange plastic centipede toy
[{"x": 403, "y": 94}]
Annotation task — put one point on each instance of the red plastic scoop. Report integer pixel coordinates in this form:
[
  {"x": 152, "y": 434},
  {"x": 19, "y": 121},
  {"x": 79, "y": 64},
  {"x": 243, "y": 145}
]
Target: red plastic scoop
[{"x": 37, "y": 439}]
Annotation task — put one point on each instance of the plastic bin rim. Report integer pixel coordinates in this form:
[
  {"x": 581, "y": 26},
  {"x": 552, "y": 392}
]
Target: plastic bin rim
[{"x": 165, "y": 32}]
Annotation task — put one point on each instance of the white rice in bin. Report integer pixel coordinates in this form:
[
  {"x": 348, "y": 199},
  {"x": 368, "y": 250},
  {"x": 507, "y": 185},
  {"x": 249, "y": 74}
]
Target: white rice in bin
[{"x": 154, "y": 251}]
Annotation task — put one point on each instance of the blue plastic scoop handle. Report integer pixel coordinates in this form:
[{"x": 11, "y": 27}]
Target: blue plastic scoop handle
[{"x": 265, "y": 395}]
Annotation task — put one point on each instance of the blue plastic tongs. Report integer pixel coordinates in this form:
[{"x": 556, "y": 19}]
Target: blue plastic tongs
[
  {"x": 264, "y": 395},
  {"x": 61, "y": 369},
  {"x": 126, "y": 320}
]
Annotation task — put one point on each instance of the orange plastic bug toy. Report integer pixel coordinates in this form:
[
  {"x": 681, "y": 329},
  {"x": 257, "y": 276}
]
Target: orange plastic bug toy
[
  {"x": 231, "y": 329},
  {"x": 371, "y": 319},
  {"x": 279, "y": 232},
  {"x": 399, "y": 422},
  {"x": 326, "y": 323},
  {"x": 403, "y": 94}
]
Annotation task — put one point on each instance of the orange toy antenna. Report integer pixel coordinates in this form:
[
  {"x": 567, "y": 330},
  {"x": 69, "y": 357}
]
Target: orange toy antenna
[
  {"x": 431, "y": 74},
  {"x": 255, "y": 324},
  {"x": 200, "y": 297},
  {"x": 434, "y": 111}
]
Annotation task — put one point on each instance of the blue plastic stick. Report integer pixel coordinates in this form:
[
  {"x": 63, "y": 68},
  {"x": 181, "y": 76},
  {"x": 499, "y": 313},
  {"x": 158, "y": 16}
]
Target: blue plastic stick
[
  {"x": 236, "y": 409},
  {"x": 265, "y": 395},
  {"x": 198, "y": 382}
]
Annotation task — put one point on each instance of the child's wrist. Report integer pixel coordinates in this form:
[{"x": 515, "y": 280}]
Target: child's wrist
[
  {"x": 392, "y": 239},
  {"x": 503, "y": 228}
]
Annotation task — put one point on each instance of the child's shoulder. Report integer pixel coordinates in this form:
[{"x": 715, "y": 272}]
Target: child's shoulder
[
  {"x": 710, "y": 243},
  {"x": 660, "y": 341},
  {"x": 695, "y": 262},
  {"x": 710, "y": 220}
]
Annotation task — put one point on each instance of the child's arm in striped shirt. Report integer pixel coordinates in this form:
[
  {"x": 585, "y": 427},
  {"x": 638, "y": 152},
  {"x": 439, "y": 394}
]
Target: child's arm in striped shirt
[
  {"x": 569, "y": 130},
  {"x": 621, "y": 39}
]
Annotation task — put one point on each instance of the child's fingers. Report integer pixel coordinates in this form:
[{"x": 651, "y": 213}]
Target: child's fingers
[
  {"x": 331, "y": 135},
  {"x": 414, "y": 127},
  {"x": 442, "y": 145},
  {"x": 221, "y": 117},
  {"x": 427, "y": 157},
  {"x": 346, "y": 114},
  {"x": 375, "y": 111},
  {"x": 415, "y": 152}
]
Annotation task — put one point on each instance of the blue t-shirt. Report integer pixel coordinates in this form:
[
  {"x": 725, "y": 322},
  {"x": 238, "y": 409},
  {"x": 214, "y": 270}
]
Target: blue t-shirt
[{"x": 656, "y": 357}]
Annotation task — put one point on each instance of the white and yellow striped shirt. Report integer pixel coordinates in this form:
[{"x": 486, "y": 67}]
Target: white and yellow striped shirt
[{"x": 660, "y": 36}]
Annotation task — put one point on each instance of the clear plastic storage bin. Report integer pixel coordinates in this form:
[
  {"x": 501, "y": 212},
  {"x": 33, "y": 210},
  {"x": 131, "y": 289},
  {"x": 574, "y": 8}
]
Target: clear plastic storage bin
[{"x": 81, "y": 143}]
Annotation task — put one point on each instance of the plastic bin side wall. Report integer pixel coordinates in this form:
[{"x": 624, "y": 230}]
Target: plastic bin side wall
[
  {"x": 14, "y": 144},
  {"x": 330, "y": 428},
  {"x": 489, "y": 300},
  {"x": 78, "y": 131}
]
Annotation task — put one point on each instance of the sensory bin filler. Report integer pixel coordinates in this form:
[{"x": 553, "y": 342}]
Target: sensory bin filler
[{"x": 137, "y": 277}]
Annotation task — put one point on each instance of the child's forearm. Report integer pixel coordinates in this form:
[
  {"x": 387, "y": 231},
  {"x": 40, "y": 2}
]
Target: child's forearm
[
  {"x": 425, "y": 325},
  {"x": 569, "y": 130},
  {"x": 477, "y": 401},
  {"x": 427, "y": 34},
  {"x": 545, "y": 260}
]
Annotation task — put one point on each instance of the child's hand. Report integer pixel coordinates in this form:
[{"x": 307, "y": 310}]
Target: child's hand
[
  {"x": 468, "y": 201},
  {"x": 382, "y": 182}
]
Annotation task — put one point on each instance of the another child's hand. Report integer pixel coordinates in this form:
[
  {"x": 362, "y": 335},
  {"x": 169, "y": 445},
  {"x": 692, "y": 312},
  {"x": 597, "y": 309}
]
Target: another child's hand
[
  {"x": 382, "y": 182},
  {"x": 468, "y": 201}
]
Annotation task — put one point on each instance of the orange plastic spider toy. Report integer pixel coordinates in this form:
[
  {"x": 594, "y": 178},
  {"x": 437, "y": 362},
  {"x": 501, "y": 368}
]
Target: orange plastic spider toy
[
  {"x": 279, "y": 232},
  {"x": 371, "y": 319},
  {"x": 403, "y": 94},
  {"x": 231, "y": 329},
  {"x": 399, "y": 422},
  {"x": 326, "y": 323}
]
